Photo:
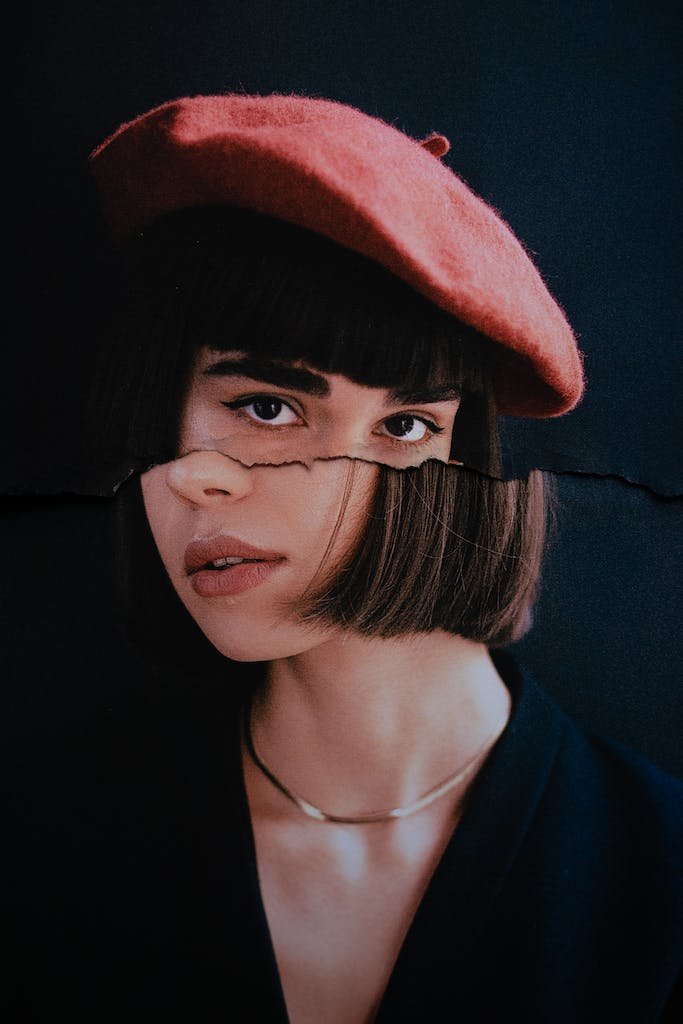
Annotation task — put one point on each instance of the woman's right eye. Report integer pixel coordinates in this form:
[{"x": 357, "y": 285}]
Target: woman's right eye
[{"x": 265, "y": 409}]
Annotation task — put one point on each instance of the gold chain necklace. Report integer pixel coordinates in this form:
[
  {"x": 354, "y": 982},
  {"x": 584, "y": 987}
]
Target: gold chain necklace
[{"x": 443, "y": 787}]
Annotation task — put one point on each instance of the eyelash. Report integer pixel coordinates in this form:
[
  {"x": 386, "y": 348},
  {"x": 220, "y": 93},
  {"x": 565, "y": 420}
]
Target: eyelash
[
  {"x": 239, "y": 403},
  {"x": 429, "y": 424}
]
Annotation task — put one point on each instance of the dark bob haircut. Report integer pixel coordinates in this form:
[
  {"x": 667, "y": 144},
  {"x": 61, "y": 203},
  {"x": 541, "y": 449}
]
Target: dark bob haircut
[{"x": 447, "y": 547}]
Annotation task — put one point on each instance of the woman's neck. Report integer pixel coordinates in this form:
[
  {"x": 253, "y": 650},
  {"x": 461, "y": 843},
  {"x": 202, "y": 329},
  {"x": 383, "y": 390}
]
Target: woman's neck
[{"x": 357, "y": 723}]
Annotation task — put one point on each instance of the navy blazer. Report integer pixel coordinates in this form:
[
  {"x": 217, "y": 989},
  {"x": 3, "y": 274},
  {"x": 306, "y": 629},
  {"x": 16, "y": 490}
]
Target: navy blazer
[{"x": 132, "y": 885}]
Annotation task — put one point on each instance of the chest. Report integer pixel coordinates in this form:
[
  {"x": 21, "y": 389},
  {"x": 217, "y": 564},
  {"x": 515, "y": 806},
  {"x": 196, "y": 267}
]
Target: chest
[{"x": 339, "y": 902}]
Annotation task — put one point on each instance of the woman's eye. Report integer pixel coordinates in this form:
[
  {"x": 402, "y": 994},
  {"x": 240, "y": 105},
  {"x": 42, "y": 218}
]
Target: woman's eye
[
  {"x": 265, "y": 409},
  {"x": 410, "y": 428}
]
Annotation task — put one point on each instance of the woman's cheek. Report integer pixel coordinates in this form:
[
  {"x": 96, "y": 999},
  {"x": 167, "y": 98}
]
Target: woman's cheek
[{"x": 356, "y": 484}]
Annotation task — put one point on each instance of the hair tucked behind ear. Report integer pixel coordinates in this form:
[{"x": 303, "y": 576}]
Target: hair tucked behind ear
[{"x": 231, "y": 278}]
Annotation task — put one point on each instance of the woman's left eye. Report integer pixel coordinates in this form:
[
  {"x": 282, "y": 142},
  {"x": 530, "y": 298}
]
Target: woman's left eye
[
  {"x": 410, "y": 429},
  {"x": 265, "y": 409}
]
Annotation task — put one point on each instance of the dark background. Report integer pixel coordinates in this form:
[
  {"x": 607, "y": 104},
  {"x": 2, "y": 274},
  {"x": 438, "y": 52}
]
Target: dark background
[{"x": 565, "y": 116}]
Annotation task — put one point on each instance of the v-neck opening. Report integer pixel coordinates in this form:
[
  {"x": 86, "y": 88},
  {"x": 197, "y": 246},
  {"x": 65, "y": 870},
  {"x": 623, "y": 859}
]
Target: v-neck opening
[{"x": 471, "y": 871}]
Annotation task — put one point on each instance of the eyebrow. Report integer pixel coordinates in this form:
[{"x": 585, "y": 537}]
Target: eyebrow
[
  {"x": 284, "y": 375},
  {"x": 425, "y": 395},
  {"x": 279, "y": 374}
]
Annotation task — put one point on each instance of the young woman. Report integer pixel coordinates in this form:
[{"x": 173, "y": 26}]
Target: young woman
[{"x": 353, "y": 807}]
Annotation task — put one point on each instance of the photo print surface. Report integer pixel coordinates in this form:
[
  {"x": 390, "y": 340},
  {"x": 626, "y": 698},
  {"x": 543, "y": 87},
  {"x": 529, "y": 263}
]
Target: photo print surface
[{"x": 342, "y": 513}]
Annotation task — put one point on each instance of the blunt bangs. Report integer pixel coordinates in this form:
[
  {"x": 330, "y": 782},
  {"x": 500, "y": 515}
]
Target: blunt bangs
[{"x": 233, "y": 279}]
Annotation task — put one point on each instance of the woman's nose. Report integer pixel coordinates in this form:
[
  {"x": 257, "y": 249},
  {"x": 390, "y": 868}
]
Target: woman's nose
[{"x": 208, "y": 478}]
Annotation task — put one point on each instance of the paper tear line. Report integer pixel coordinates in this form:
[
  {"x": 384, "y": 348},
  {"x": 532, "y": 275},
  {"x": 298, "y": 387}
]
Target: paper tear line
[{"x": 110, "y": 490}]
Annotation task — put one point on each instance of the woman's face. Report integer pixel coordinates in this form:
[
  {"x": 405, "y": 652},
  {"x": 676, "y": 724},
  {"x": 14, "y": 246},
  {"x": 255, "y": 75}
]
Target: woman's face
[
  {"x": 279, "y": 519},
  {"x": 267, "y": 450},
  {"x": 260, "y": 410}
]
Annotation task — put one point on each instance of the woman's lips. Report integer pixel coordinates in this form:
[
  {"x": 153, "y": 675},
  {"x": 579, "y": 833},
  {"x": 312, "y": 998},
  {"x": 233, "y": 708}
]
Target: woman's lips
[
  {"x": 208, "y": 581},
  {"x": 233, "y": 579}
]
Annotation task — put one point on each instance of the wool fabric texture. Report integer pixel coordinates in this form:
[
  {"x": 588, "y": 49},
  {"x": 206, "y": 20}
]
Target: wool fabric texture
[{"x": 366, "y": 185}]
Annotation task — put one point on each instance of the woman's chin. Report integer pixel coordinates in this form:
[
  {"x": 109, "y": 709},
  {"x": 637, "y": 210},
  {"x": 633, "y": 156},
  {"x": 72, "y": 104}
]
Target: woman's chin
[{"x": 267, "y": 644}]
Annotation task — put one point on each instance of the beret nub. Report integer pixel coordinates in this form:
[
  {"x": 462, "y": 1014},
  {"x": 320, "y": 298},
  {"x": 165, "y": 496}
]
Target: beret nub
[{"x": 366, "y": 185}]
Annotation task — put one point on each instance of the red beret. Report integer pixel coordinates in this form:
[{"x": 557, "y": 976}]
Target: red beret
[{"x": 368, "y": 186}]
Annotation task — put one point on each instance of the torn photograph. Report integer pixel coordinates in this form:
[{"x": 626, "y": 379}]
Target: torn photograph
[{"x": 342, "y": 515}]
